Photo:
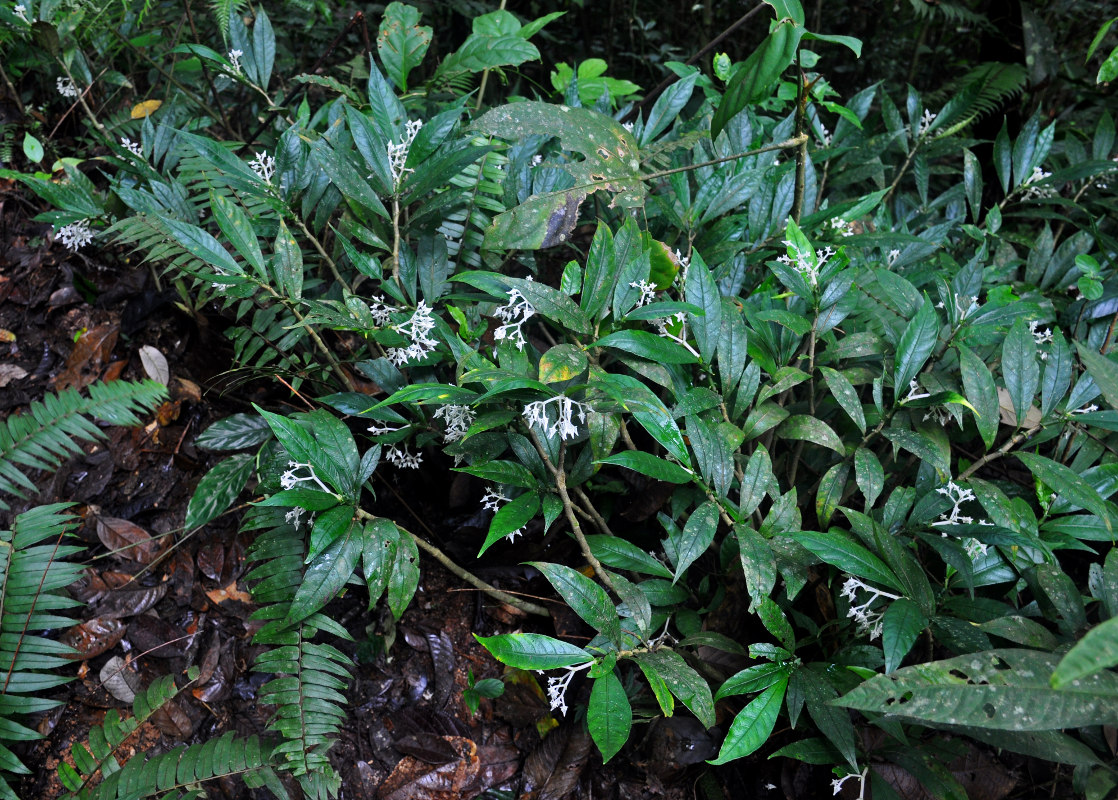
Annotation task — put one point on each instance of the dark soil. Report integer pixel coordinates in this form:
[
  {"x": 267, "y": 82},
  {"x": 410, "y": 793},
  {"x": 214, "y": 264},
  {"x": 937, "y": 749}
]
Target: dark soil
[{"x": 163, "y": 601}]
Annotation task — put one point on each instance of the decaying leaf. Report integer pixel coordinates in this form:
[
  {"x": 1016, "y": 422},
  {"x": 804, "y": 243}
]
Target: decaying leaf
[
  {"x": 129, "y": 540},
  {"x": 553, "y": 770},
  {"x": 119, "y": 679},
  {"x": 94, "y": 637}
]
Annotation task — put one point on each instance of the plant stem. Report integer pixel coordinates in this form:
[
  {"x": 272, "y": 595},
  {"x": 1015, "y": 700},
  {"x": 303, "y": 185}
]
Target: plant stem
[
  {"x": 322, "y": 252},
  {"x": 1001, "y": 451}
]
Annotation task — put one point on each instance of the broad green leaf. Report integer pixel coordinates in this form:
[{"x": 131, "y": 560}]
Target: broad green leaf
[
  {"x": 613, "y": 551},
  {"x": 667, "y": 105},
  {"x": 756, "y": 479},
  {"x": 1058, "y": 369},
  {"x": 349, "y": 179},
  {"x": 1103, "y": 370},
  {"x": 218, "y": 489},
  {"x": 982, "y": 392},
  {"x": 585, "y": 597},
  {"x": 636, "y": 603},
  {"x": 649, "y": 465},
  {"x": 402, "y": 42},
  {"x": 510, "y": 517},
  {"x": 380, "y": 540},
  {"x": 840, "y": 550},
  {"x": 752, "y": 679},
  {"x": 440, "y": 393},
  {"x": 762, "y": 418},
  {"x": 327, "y": 573},
  {"x": 564, "y": 362},
  {"x": 754, "y": 724},
  {"x": 1019, "y": 368},
  {"x": 235, "y": 432},
  {"x": 753, "y": 80},
  {"x": 647, "y": 345},
  {"x": 847, "y": 397},
  {"x": 869, "y": 475},
  {"x": 683, "y": 682},
  {"x": 32, "y": 148},
  {"x": 1096, "y": 651},
  {"x": 404, "y": 579},
  {"x": 554, "y": 305},
  {"x": 921, "y": 445},
  {"x": 996, "y": 689},
  {"x": 803, "y": 427},
  {"x": 533, "y": 651},
  {"x": 509, "y": 473},
  {"x": 330, "y": 450},
  {"x": 758, "y": 563},
  {"x": 831, "y": 489},
  {"x": 202, "y": 245},
  {"x": 915, "y": 345},
  {"x": 690, "y": 543},
  {"x": 235, "y": 224},
  {"x": 702, "y": 291},
  {"x": 1068, "y": 484},
  {"x": 648, "y": 410},
  {"x": 543, "y": 220},
  {"x": 609, "y": 715},
  {"x": 602, "y": 271},
  {"x": 288, "y": 263},
  {"x": 901, "y": 626}
]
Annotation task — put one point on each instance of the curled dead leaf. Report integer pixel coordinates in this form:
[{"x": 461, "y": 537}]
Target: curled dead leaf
[{"x": 129, "y": 540}]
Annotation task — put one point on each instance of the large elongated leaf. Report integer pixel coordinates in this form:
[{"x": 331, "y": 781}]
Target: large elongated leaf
[
  {"x": 1019, "y": 368},
  {"x": 683, "y": 682},
  {"x": 754, "y": 724},
  {"x": 1096, "y": 651},
  {"x": 694, "y": 539},
  {"x": 586, "y": 598},
  {"x": 982, "y": 392},
  {"x": 402, "y": 42},
  {"x": 915, "y": 345},
  {"x": 218, "y": 489},
  {"x": 840, "y": 550},
  {"x": 327, "y": 573},
  {"x": 609, "y": 715},
  {"x": 533, "y": 651},
  {"x": 1068, "y": 484}
]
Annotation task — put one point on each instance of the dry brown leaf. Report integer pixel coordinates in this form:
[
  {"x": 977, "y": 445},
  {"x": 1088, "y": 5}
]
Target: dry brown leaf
[
  {"x": 94, "y": 637},
  {"x": 129, "y": 540},
  {"x": 230, "y": 592},
  {"x": 90, "y": 353},
  {"x": 413, "y": 779}
]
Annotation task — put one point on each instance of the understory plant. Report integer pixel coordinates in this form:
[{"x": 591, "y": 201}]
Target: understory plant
[{"x": 862, "y": 370}]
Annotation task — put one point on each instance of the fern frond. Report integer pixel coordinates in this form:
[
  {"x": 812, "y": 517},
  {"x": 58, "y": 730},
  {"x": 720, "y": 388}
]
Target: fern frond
[
  {"x": 177, "y": 773},
  {"x": 310, "y": 677},
  {"x": 951, "y": 13},
  {"x": 483, "y": 200},
  {"x": 44, "y": 436},
  {"x": 223, "y": 12},
  {"x": 981, "y": 91},
  {"x": 32, "y": 576}
]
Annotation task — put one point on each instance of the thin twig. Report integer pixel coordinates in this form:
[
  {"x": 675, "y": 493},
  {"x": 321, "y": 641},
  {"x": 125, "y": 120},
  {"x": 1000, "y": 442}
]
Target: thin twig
[{"x": 1001, "y": 451}]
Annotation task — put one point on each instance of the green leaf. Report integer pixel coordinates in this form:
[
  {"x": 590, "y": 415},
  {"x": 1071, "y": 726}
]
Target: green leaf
[
  {"x": 380, "y": 540},
  {"x": 752, "y": 679},
  {"x": 327, "y": 573},
  {"x": 602, "y": 271},
  {"x": 288, "y": 263},
  {"x": 869, "y": 475},
  {"x": 982, "y": 392},
  {"x": 756, "y": 479},
  {"x": 1067, "y": 483},
  {"x": 803, "y": 427},
  {"x": 1019, "y": 368},
  {"x": 683, "y": 682},
  {"x": 901, "y": 627},
  {"x": 684, "y": 547},
  {"x": 754, "y": 79},
  {"x": 585, "y": 597},
  {"x": 32, "y": 148},
  {"x": 915, "y": 345},
  {"x": 554, "y": 305},
  {"x": 348, "y": 178},
  {"x": 758, "y": 563},
  {"x": 996, "y": 689},
  {"x": 509, "y": 473},
  {"x": 1096, "y": 651},
  {"x": 1058, "y": 369},
  {"x": 564, "y": 362},
  {"x": 619, "y": 553},
  {"x": 235, "y": 432},
  {"x": 702, "y": 291},
  {"x": 533, "y": 651},
  {"x": 218, "y": 489},
  {"x": 754, "y": 724},
  {"x": 609, "y": 715},
  {"x": 921, "y": 445},
  {"x": 841, "y": 550},
  {"x": 648, "y": 410},
  {"x": 847, "y": 397},
  {"x": 402, "y": 42},
  {"x": 404, "y": 579},
  {"x": 510, "y": 517},
  {"x": 649, "y": 465},
  {"x": 201, "y": 244},
  {"x": 1103, "y": 370},
  {"x": 831, "y": 489},
  {"x": 647, "y": 345},
  {"x": 235, "y": 224}
]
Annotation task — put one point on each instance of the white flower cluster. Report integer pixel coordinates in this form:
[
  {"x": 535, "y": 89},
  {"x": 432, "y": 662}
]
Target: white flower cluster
[
  {"x": 894, "y": 254},
  {"x": 661, "y": 324},
  {"x": 915, "y": 392},
  {"x": 536, "y": 160},
  {"x": 21, "y": 12},
  {"x": 458, "y": 420},
  {"x": 264, "y": 166},
  {"x": 1040, "y": 337},
  {"x": 957, "y": 495},
  {"x": 837, "y": 783},
  {"x": 926, "y": 122},
  {"x": 841, "y": 226},
  {"x": 869, "y": 620},
  {"x": 536, "y": 413},
  {"x": 401, "y": 458},
  {"x": 398, "y": 152},
  {"x": 67, "y": 88},
  {"x": 235, "y": 60},
  {"x": 807, "y": 264},
  {"x": 75, "y": 235},
  {"x": 965, "y": 305},
  {"x": 825, "y": 136},
  {"x": 417, "y": 328},
  {"x": 1032, "y": 191},
  {"x": 647, "y": 290},
  {"x": 380, "y": 311},
  {"x": 295, "y": 516},
  {"x": 382, "y": 428},
  {"x": 492, "y": 500},
  {"x": 1086, "y": 409},
  {"x": 557, "y": 687},
  {"x": 132, "y": 147},
  {"x": 515, "y": 313},
  {"x": 290, "y": 479},
  {"x": 684, "y": 267}
]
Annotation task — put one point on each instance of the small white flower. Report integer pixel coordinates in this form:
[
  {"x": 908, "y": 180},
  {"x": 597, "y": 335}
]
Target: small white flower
[
  {"x": 627, "y": 126},
  {"x": 294, "y": 516},
  {"x": 21, "y": 12},
  {"x": 926, "y": 122},
  {"x": 957, "y": 495},
  {"x": 515, "y": 313},
  {"x": 809, "y": 264},
  {"x": 536, "y": 160},
  {"x": 841, "y": 226},
  {"x": 1086, "y": 409},
  {"x": 557, "y": 687},
  {"x": 398, "y": 152},
  {"x": 869, "y": 620},
  {"x": 893, "y": 256},
  {"x": 75, "y": 235},
  {"x": 417, "y": 328},
  {"x": 67, "y": 88},
  {"x": 974, "y": 548},
  {"x": 264, "y": 166},
  {"x": 647, "y": 290},
  {"x": 235, "y": 60},
  {"x": 458, "y": 420},
  {"x": 661, "y": 324},
  {"x": 825, "y": 136},
  {"x": 837, "y": 783},
  {"x": 380, "y": 311},
  {"x": 382, "y": 428},
  {"x": 1034, "y": 191},
  {"x": 291, "y": 478},
  {"x": 914, "y": 392},
  {"x": 401, "y": 458},
  {"x": 536, "y": 413},
  {"x": 492, "y": 500},
  {"x": 132, "y": 147},
  {"x": 1040, "y": 337},
  {"x": 684, "y": 267}
]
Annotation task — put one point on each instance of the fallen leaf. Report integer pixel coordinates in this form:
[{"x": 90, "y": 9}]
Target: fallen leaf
[
  {"x": 553, "y": 770},
  {"x": 413, "y": 779},
  {"x": 11, "y": 372},
  {"x": 145, "y": 109},
  {"x": 119, "y": 680},
  {"x": 94, "y": 637},
  {"x": 129, "y": 540},
  {"x": 90, "y": 353},
  {"x": 155, "y": 364},
  {"x": 230, "y": 592}
]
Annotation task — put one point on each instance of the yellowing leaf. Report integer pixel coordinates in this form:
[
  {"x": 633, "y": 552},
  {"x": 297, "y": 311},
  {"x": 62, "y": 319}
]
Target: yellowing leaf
[{"x": 145, "y": 109}]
